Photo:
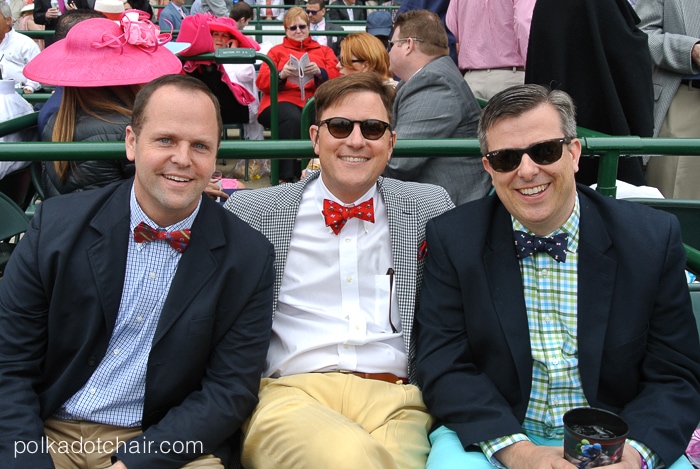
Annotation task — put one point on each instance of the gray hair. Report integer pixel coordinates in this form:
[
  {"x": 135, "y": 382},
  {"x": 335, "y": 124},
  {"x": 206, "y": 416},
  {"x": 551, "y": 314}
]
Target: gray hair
[
  {"x": 517, "y": 100},
  {"x": 5, "y": 9}
]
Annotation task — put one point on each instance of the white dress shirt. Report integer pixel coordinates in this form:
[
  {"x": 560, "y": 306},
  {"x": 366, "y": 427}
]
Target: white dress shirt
[
  {"x": 320, "y": 26},
  {"x": 16, "y": 51},
  {"x": 333, "y": 307}
]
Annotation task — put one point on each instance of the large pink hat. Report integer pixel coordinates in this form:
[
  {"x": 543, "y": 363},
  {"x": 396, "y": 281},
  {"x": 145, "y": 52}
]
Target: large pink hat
[
  {"x": 225, "y": 24},
  {"x": 99, "y": 52}
]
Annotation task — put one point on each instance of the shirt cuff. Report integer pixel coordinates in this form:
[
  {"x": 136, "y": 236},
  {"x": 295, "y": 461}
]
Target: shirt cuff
[
  {"x": 649, "y": 456},
  {"x": 491, "y": 447}
]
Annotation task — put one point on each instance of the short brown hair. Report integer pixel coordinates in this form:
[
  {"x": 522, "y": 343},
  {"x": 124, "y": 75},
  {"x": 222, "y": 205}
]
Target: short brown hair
[
  {"x": 337, "y": 89},
  {"x": 181, "y": 82},
  {"x": 426, "y": 26}
]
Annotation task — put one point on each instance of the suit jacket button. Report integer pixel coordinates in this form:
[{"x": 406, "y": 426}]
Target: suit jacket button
[{"x": 92, "y": 361}]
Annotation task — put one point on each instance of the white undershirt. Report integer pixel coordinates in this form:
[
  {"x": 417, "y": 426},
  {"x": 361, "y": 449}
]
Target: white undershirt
[{"x": 333, "y": 306}]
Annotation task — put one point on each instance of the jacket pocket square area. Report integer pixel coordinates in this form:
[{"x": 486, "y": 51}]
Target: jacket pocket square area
[{"x": 422, "y": 250}]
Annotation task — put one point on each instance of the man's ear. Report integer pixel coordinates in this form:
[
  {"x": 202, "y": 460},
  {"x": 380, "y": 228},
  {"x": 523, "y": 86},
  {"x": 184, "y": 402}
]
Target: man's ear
[
  {"x": 313, "y": 135},
  {"x": 130, "y": 141},
  {"x": 392, "y": 144}
]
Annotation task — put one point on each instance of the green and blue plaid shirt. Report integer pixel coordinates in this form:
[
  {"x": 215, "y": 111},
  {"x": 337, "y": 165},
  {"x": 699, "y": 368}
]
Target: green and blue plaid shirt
[{"x": 550, "y": 290}]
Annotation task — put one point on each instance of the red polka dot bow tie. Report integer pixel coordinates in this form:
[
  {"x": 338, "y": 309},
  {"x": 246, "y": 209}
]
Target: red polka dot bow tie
[
  {"x": 178, "y": 239},
  {"x": 337, "y": 215},
  {"x": 526, "y": 245}
]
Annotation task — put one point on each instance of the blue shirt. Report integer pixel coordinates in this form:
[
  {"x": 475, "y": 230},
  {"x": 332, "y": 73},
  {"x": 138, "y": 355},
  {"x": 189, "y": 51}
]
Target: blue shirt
[{"x": 114, "y": 394}]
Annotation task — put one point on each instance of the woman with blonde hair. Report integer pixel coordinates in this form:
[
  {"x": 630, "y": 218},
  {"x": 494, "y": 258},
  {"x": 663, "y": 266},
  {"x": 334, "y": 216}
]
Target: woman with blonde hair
[{"x": 363, "y": 52}]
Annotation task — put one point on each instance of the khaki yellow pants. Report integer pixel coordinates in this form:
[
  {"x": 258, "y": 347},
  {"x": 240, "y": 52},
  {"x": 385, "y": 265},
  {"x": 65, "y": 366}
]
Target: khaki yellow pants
[
  {"x": 86, "y": 445},
  {"x": 678, "y": 177},
  {"x": 335, "y": 420}
]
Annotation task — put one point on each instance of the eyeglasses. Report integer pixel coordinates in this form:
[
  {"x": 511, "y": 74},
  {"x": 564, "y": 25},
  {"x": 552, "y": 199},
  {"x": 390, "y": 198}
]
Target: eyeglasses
[
  {"x": 403, "y": 39},
  {"x": 542, "y": 153},
  {"x": 312, "y": 12},
  {"x": 353, "y": 61},
  {"x": 340, "y": 127},
  {"x": 294, "y": 28}
]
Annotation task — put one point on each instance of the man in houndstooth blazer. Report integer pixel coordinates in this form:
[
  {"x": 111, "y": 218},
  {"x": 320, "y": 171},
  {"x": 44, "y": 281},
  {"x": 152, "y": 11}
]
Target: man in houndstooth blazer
[
  {"x": 673, "y": 27},
  {"x": 338, "y": 362}
]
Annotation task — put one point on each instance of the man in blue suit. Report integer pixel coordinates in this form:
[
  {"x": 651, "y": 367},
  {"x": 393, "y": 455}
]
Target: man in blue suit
[
  {"x": 515, "y": 330},
  {"x": 135, "y": 319},
  {"x": 172, "y": 14}
]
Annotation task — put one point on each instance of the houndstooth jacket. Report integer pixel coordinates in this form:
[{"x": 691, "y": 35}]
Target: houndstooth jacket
[
  {"x": 409, "y": 205},
  {"x": 673, "y": 27}
]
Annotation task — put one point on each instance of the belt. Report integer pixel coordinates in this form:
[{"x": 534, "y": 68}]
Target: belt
[
  {"x": 386, "y": 377},
  {"x": 691, "y": 83},
  {"x": 514, "y": 69}
]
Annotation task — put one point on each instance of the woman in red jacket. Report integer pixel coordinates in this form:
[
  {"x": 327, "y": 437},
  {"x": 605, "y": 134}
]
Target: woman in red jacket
[{"x": 294, "y": 69}]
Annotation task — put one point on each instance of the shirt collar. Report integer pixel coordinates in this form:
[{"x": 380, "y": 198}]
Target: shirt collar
[
  {"x": 570, "y": 227},
  {"x": 138, "y": 216}
]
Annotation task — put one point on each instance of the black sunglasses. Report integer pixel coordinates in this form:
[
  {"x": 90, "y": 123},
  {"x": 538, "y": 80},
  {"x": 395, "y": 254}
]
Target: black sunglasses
[
  {"x": 340, "y": 127},
  {"x": 542, "y": 153},
  {"x": 312, "y": 12},
  {"x": 294, "y": 28}
]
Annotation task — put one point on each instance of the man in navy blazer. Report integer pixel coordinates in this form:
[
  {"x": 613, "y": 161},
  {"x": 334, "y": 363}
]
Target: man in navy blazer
[
  {"x": 509, "y": 338},
  {"x": 99, "y": 327}
]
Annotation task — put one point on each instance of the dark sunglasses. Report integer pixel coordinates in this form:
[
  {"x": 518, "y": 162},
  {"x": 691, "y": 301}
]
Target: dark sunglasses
[
  {"x": 312, "y": 12},
  {"x": 340, "y": 127},
  {"x": 294, "y": 28},
  {"x": 542, "y": 153}
]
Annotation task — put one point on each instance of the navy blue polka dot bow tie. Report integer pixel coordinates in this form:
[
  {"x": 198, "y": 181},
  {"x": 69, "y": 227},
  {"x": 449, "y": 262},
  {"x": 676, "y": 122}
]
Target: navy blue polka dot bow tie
[{"x": 526, "y": 245}]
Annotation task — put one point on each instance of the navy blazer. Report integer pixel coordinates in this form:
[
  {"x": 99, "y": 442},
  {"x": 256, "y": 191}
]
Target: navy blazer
[
  {"x": 59, "y": 301},
  {"x": 638, "y": 347}
]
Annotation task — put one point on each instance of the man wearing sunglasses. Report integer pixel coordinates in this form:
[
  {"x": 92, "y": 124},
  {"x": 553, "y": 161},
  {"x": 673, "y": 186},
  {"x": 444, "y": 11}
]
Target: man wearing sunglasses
[
  {"x": 316, "y": 9},
  {"x": 549, "y": 296},
  {"x": 350, "y": 246},
  {"x": 433, "y": 101}
]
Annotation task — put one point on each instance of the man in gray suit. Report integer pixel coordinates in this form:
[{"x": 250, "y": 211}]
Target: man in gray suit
[
  {"x": 433, "y": 101},
  {"x": 350, "y": 248},
  {"x": 316, "y": 9},
  {"x": 673, "y": 27}
]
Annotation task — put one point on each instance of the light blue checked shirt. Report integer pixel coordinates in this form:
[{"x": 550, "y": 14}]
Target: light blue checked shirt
[
  {"x": 551, "y": 290},
  {"x": 114, "y": 393}
]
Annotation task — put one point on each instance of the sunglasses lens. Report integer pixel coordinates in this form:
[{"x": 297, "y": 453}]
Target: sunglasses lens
[
  {"x": 339, "y": 127},
  {"x": 546, "y": 152},
  {"x": 542, "y": 153},
  {"x": 505, "y": 160},
  {"x": 372, "y": 129}
]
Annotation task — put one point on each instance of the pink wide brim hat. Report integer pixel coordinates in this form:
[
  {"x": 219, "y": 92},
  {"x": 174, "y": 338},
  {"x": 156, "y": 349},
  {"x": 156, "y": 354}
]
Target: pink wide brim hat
[
  {"x": 99, "y": 52},
  {"x": 227, "y": 25}
]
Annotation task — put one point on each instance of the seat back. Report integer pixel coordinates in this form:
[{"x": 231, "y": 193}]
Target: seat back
[
  {"x": 688, "y": 213},
  {"x": 18, "y": 187},
  {"x": 14, "y": 223},
  {"x": 695, "y": 297}
]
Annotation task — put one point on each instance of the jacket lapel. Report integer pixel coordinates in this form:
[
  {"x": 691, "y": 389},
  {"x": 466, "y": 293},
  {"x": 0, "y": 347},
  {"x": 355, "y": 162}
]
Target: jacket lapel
[
  {"x": 196, "y": 268},
  {"x": 502, "y": 268},
  {"x": 403, "y": 230},
  {"x": 596, "y": 278},
  {"x": 107, "y": 255}
]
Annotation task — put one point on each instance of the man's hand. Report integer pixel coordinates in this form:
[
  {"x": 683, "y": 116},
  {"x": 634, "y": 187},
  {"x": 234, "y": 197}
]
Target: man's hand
[
  {"x": 214, "y": 191},
  {"x": 695, "y": 54},
  {"x": 527, "y": 455},
  {"x": 118, "y": 465},
  {"x": 631, "y": 459}
]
